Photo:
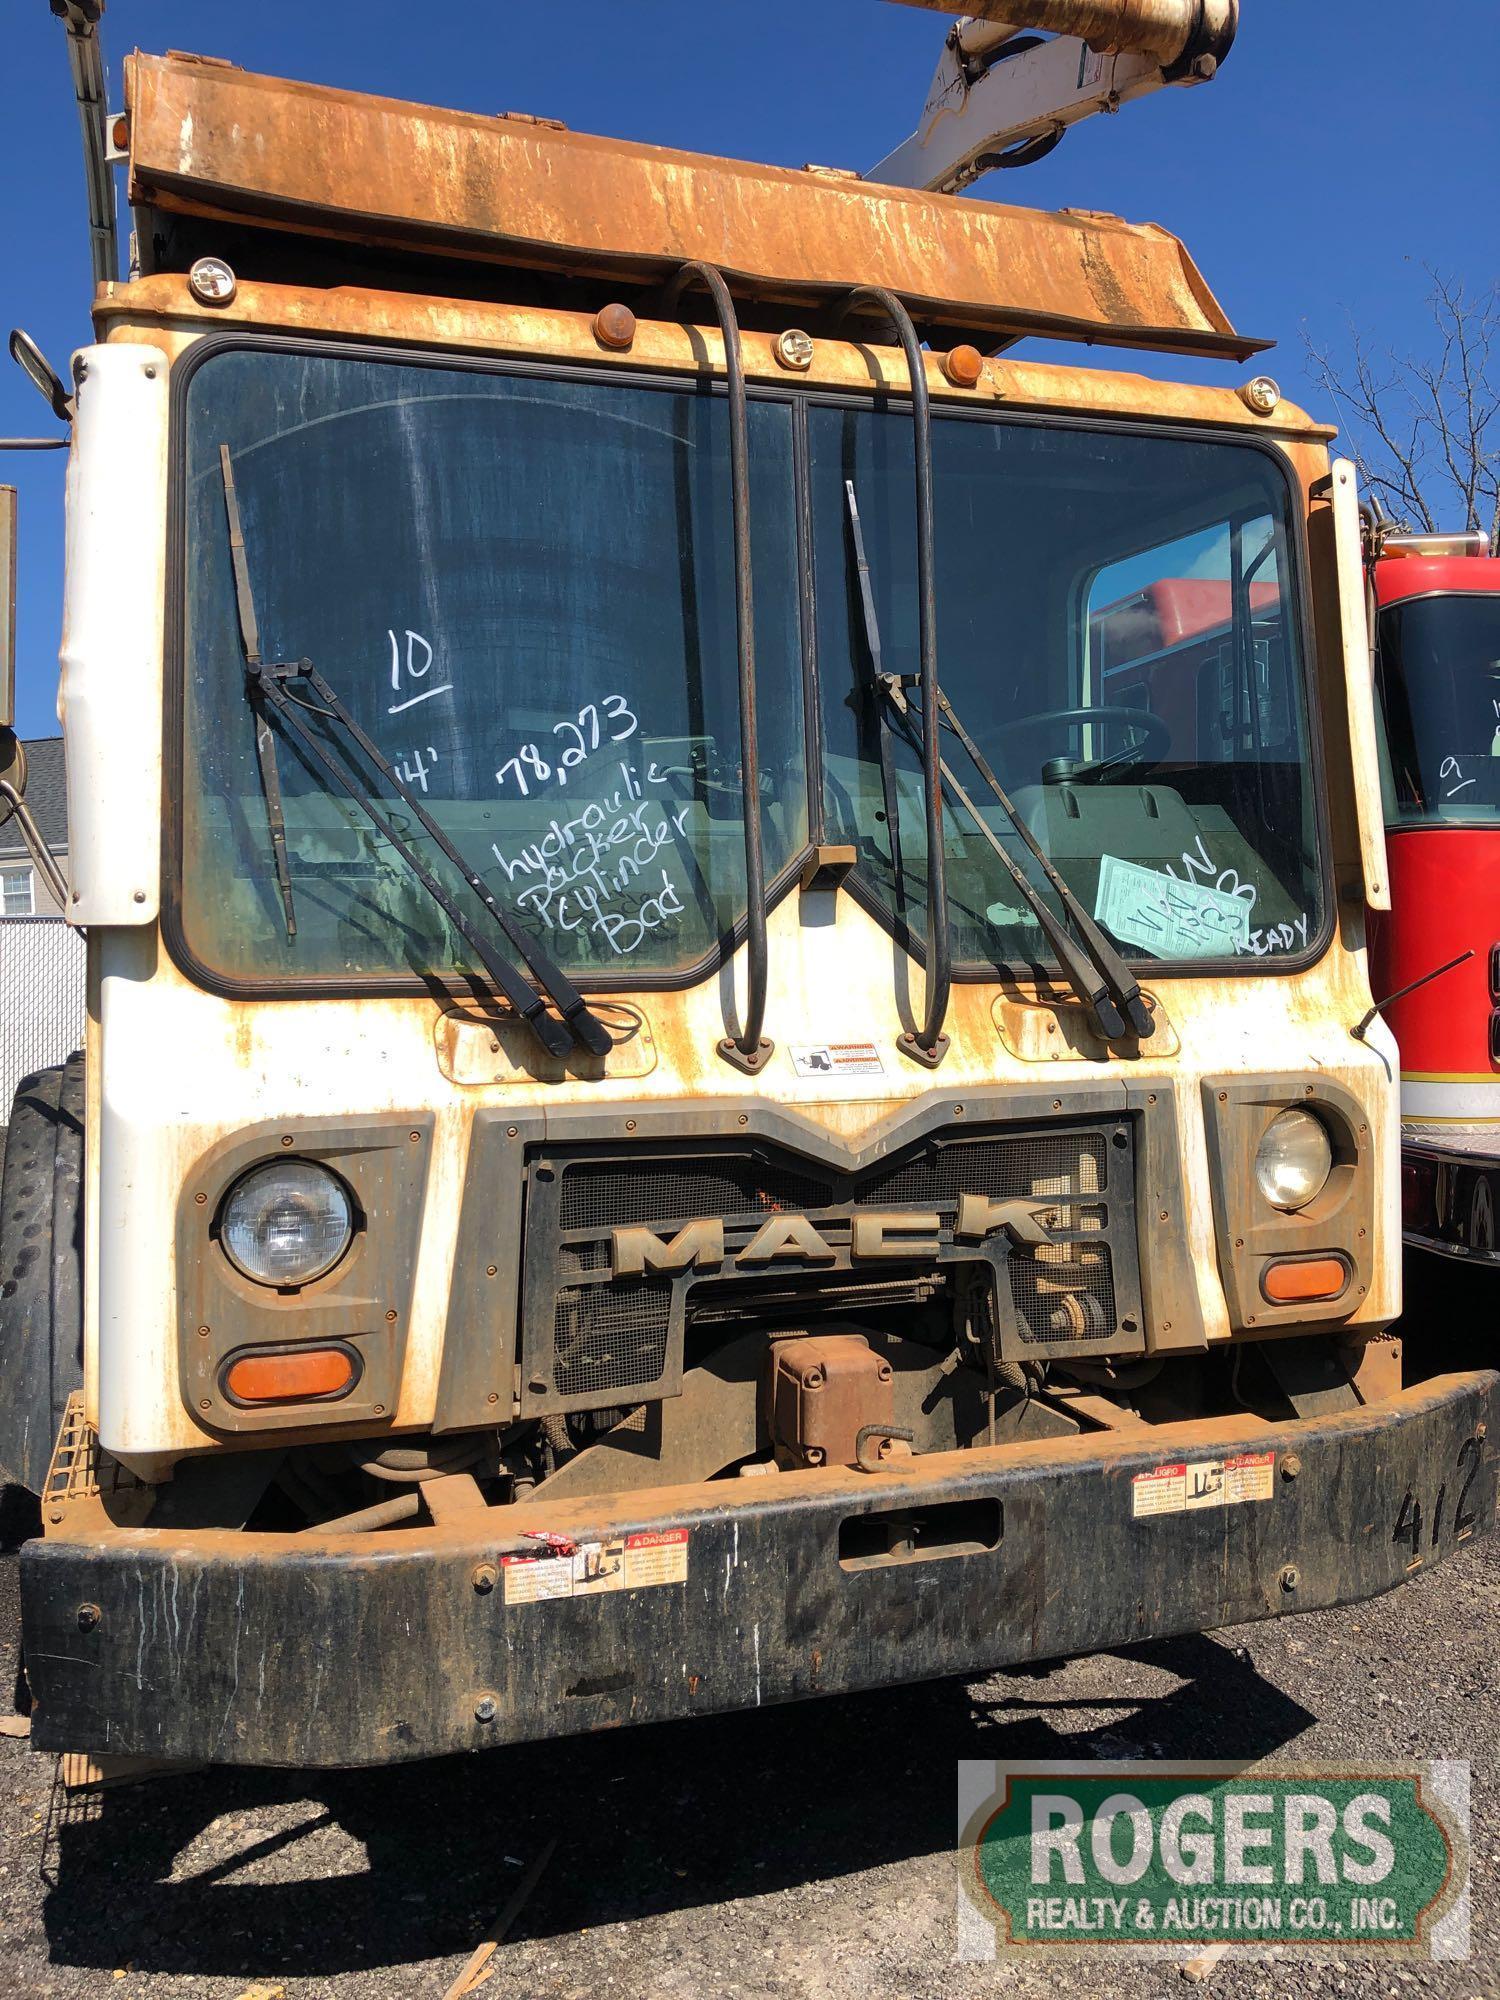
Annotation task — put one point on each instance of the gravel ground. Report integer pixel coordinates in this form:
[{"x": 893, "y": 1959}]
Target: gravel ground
[{"x": 803, "y": 1851}]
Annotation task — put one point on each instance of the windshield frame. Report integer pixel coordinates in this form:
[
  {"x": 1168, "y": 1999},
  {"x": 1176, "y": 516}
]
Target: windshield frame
[{"x": 451, "y": 983}]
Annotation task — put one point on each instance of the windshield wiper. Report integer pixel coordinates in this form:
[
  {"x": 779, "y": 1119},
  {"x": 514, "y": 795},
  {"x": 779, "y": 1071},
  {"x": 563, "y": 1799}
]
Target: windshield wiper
[
  {"x": 1124, "y": 987},
  {"x": 265, "y": 741},
  {"x": 267, "y": 688},
  {"x": 1101, "y": 979}
]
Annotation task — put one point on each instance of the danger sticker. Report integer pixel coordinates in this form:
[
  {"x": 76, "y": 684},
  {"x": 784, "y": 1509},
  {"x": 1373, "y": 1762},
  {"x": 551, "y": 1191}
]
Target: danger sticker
[
  {"x": 656, "y": 1558},
  {"x": 591, "y": 1569},
  {"x": 1210, "y": 1482},
  {"x": 1248, "y": 1477},
  {"x": 838, "y": 1059}
]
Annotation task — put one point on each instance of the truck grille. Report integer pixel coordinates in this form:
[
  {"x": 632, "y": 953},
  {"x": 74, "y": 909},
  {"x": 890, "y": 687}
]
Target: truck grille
[{"x": 588, "y": 1336}]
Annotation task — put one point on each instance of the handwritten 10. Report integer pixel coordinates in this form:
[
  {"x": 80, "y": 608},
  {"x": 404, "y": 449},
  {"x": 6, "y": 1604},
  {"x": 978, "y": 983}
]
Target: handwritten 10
[
  {"x": 417, "y": 669},
  {"x": 589, "y": 733}
]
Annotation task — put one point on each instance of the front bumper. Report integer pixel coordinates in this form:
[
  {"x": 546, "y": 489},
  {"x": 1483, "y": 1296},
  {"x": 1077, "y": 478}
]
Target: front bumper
[
  {"x": 1450, "y": 1196},
  {"x": 295, "y": 1650}
]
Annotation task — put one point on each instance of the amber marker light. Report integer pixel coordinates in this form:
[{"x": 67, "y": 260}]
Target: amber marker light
[
  {"x": 1304, "y": 1280},
  {"x": 614, "y": 328},
  {"x": 963, "y": 367},
  {"x": 302, "y": 1375}
]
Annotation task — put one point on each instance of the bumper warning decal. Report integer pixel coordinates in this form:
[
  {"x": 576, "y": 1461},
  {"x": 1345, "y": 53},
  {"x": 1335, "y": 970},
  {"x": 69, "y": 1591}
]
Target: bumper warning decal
[
  {"x": 1212, "y": 1482},
  {"x": 589, "y": 1569}
]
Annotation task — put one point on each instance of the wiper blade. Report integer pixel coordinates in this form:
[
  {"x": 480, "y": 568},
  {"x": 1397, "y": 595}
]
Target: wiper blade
[
  {"x": 1087, "y": 979},
  {"x": 1124, "y": 987},
  {"x": 265, "y": 741},
  {"x": 888, "y": 794},
  {"x": 582, "y": 1025},
  {"x": 267, "y": 686}
]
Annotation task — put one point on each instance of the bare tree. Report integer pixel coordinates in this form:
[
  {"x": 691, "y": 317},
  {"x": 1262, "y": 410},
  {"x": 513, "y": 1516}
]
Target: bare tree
[{"x": 1424, "y": 429}]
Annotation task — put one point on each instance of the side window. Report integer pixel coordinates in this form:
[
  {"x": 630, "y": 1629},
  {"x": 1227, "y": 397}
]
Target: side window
[{"x": 1193, "y": 631}]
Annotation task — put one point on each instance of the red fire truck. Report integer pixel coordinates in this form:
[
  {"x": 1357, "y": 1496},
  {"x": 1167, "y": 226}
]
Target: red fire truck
[{"x": 1437, "y": 666}]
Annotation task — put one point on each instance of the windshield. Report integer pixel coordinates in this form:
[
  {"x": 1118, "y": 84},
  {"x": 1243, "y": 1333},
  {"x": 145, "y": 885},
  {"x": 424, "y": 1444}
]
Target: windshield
[
  {"x": 1118, "y": 635},
  {"x": 522, "y": 588},
  {"x": 523, "y": 591},
  {"x": 1438, "y": 671}
]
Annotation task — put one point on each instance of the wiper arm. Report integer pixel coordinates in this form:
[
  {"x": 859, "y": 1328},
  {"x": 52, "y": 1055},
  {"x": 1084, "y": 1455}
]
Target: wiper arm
[
  {"x": 888, "y": 794},
  {"x": 1124, "y": 987},
  {"x": 267, "y": 687},
  {"x": 265, "y": 741},
  {"x": 1087, "y": 979}
]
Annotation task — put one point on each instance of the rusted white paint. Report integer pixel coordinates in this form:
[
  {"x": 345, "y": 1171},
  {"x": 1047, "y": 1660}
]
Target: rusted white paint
[{"x": 184, "y": 1069}]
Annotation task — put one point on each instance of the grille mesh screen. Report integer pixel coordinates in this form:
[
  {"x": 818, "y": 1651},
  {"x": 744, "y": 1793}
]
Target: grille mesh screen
[
  {"x": 1064, "y": 1294},
  {"x": 609, "y": 1337},
  {"x": 1057, "y": 1164},
  {"x": 605, "y": 1339},
  {"x": 601, "y": 1194}
]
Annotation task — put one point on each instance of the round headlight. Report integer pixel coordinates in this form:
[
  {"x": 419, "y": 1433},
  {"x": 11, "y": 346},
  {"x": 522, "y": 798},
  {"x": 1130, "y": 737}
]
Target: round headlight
[
  {"x": 1294, "y": 1160},
  {"x": 286, "y": 1223}
]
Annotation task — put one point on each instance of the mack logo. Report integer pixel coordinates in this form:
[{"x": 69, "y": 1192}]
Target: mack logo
[{"x": 873, "y": 1234}]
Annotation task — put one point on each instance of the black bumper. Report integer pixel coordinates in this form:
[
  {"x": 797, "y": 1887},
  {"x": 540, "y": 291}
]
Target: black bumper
[
  {"x": 1450, "y": 1200},
  {"x": 254, "y": 1649}
]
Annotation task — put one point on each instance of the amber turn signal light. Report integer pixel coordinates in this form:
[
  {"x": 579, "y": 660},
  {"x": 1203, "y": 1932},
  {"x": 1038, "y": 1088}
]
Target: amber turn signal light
[
  {"x": 1302, "y": 1280},
  {"x": 963, "y": 367},
  {"x": 297, "y": 1376}
]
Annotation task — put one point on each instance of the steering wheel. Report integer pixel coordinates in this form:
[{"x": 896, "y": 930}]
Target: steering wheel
[{"x": 1155, "y": 736}]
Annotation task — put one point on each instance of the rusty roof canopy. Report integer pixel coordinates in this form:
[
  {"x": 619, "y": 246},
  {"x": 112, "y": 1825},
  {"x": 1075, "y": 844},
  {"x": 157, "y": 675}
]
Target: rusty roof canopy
[{"x": 212, "y": 141}]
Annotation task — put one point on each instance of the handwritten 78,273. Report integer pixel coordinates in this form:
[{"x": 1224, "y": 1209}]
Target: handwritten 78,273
[{"x": 581, "y": 739}]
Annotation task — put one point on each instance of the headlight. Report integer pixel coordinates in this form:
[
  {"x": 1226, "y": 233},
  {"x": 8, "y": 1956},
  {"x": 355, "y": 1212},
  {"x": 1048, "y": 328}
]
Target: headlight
[
  {"x": 1294, "y": 1160},
  {"x": 286, "y": 1223}
]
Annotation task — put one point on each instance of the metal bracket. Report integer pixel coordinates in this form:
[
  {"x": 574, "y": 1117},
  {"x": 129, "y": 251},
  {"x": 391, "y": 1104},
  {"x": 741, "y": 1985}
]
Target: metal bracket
[
  {"x": 827, "y": 867},
  {"x": 867, "y": 1435},
  {"x": 908, "y": 1045},
  {"x": 750, "y": 1061}
]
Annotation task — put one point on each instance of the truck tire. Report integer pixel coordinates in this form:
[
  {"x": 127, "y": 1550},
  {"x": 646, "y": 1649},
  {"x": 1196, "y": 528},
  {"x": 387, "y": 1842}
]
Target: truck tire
[{"x": 41, "y": 1269}]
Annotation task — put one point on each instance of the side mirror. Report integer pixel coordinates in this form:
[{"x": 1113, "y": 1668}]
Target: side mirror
[
  {"x": 43, "y": 376},
  {"x": 7, "y": 607}
]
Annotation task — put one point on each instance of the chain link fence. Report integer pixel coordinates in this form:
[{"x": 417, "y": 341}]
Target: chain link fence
[{"x": 41, "y": 998}]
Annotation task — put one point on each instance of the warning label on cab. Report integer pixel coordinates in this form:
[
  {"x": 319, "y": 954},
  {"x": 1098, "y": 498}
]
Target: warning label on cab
[
  {"x": 589, "y": 1569},
  {"x": 838, "y": 1059},
  {"x": 1212, "y": 1482}
]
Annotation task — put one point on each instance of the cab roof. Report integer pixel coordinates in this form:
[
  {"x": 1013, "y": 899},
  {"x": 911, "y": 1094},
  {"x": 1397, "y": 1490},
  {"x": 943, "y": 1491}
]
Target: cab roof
[
  {"x": 281, "y": 162},
  {"x": 1400, "y": 577}
]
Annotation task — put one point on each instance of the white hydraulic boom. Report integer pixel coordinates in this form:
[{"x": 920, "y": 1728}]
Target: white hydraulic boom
[{"x": 1015, "y": 74}]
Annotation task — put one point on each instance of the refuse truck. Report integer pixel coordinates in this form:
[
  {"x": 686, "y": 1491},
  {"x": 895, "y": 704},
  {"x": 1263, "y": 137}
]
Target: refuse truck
[{"x": 690, "y": 1098}]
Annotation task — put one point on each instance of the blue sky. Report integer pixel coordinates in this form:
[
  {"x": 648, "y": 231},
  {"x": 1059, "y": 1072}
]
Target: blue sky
[{"x": 1347, "y": 143}]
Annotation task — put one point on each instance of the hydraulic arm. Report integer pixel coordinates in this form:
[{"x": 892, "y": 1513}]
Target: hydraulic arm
[{"x": 1004, "y": 94}]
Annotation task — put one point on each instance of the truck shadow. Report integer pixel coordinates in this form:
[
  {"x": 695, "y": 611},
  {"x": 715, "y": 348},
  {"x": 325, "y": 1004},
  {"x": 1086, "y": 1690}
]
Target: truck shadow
[{"x": 263, "y": 1874}]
